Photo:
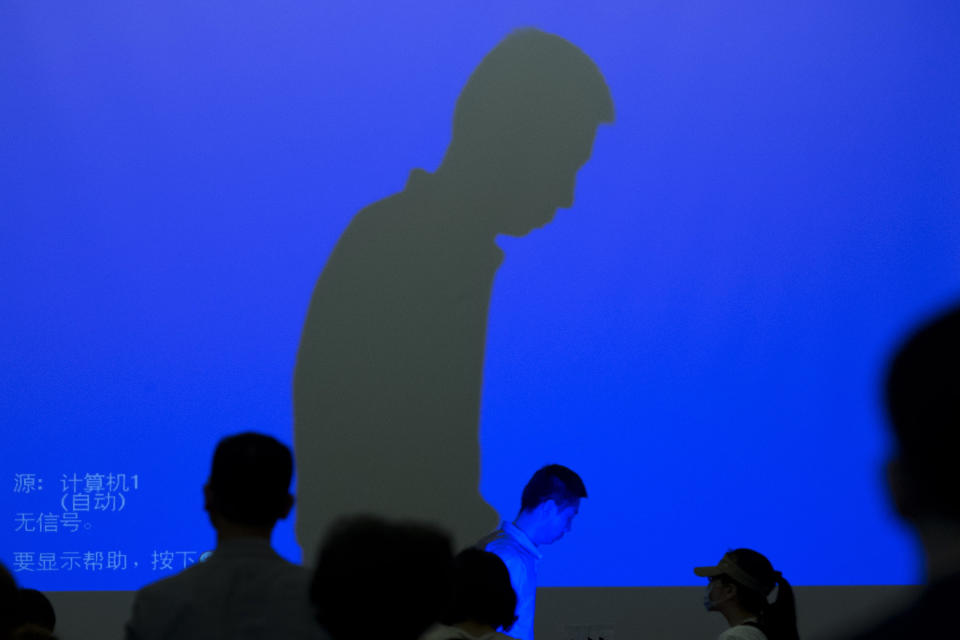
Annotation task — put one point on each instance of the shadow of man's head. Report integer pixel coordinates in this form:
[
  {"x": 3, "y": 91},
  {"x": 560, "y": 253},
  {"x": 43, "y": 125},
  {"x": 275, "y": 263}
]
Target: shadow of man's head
[{"x": 523, "y": 126}]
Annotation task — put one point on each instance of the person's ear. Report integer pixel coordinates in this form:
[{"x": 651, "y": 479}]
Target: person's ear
[
  {"x": 288, "y": 505},
  {"x": 210, "y": 505},
  {"x": 549, "y": 508},
  {"x": 722, "y": 591},
  {"x": 902, "y": 490},
  {"x": 729, "y": 590}
]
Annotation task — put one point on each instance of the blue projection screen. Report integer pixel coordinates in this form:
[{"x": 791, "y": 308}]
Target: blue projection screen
[{"x": 701, "y": 335}]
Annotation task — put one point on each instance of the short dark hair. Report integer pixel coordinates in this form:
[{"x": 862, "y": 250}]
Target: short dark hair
[
  {"x": 379, "y": 579},
  {"x": 35, "y": 608},
  {"x": 923, "y": 403},
  {"x": 552, "y": 482},
  {"x": 482, "y": 591},
  {"x": 250, "y": 479},
  {"x": 8, "y": 595}
]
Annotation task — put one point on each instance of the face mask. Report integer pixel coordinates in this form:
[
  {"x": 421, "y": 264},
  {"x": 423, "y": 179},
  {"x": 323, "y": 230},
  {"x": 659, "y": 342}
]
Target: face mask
[
  {"x": 707, "y": 602},
  {"x": 710, "y": 604}
]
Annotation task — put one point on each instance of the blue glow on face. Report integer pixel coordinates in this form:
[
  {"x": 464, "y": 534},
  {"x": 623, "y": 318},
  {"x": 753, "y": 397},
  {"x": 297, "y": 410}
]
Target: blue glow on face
[{"x": 700, "y": 336}]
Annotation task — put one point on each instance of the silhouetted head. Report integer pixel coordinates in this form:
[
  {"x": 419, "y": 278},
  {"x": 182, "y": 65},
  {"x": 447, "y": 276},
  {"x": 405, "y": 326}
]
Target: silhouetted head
[
  {"x": 524, "y": 125},
  {"x": 249, "y": 481},
  {"x": 744, "y": 579},
  {"x": 33, "y": 608},
  {"x": 482, "y": 592},
  {"x": 8, "y": 594},
  {"x": 742, "y": 574},
  {"x": 378, "y": 579},
  {"x": 31, "y": 632},
  {"x": 923, "y": 403},
  {"x": 550, "y": 502}
]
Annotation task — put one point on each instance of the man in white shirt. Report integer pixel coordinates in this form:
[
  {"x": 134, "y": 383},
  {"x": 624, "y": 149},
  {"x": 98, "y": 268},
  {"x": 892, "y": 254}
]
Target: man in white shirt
[{"x": 548, "y": 506}]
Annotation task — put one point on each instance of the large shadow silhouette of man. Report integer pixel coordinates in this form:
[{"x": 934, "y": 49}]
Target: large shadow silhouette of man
[{"x": 390, "y": 365}]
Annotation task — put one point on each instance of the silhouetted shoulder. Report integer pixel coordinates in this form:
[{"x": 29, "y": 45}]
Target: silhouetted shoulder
[
  {"x": 742, "y": 632},
  {"x": 245, "y": 593},
  {"x": 931, "y": 615}
]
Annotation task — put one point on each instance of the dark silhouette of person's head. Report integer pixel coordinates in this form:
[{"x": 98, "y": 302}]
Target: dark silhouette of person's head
[
  {"x": 524, "y": 124},
  {"x": 25, "y": 614},
  {"x": 482, "y": 592},
  {"x": 740, "y": 586},
  {"x": 379, "y": 579},
  {"x": 550, "y": 502},
  {"x": 31, "y": 632},
  {"x": 8, "y": 595},
  {"x": 33, "y": 608},
  {"x": 923, "y": 403},
  {"x": 249, "y": 485}
]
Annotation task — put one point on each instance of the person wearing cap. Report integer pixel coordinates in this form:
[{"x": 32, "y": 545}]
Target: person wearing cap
[
  {"x": 245, "y": 590},
  {"x": 922, "y": 396},
  {"x": 739, "y": 587}
]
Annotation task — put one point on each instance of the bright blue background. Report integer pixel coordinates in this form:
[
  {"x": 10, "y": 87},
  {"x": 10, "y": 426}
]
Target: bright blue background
[{"x": 700, "y": 336}]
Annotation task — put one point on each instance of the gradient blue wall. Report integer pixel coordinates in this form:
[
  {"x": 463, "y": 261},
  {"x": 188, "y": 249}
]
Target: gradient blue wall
[{"x": 700, "y": 336}]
